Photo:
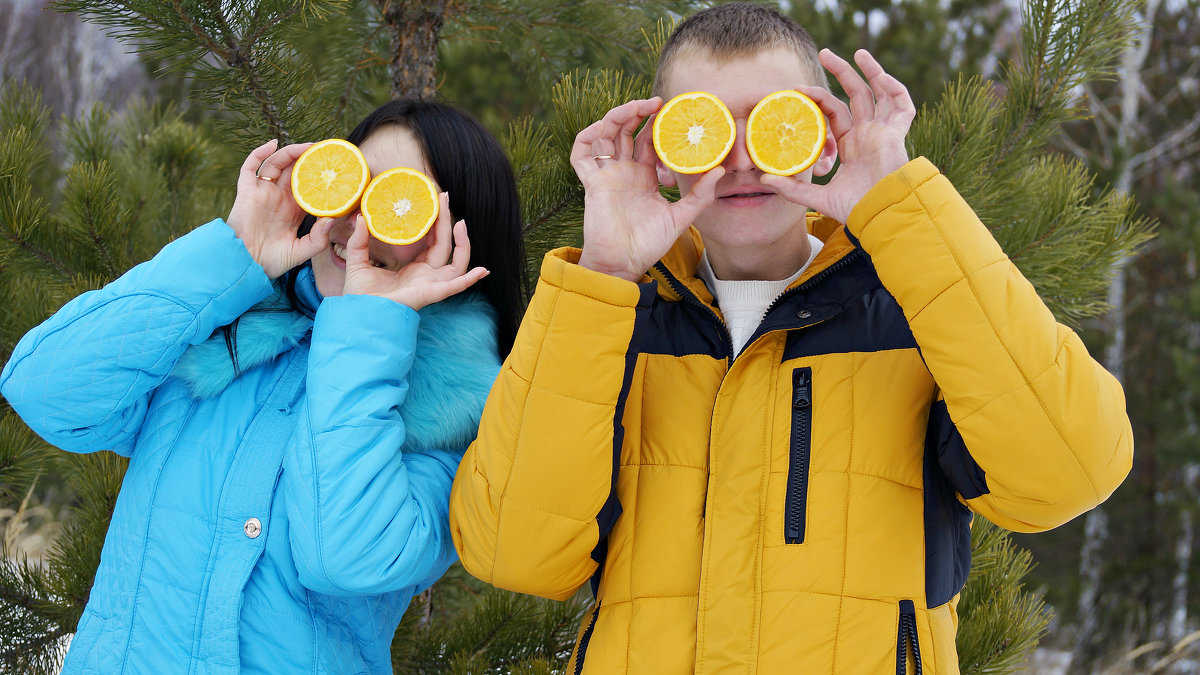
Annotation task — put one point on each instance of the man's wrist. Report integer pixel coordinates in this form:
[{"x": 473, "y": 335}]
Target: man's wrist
[{"x": 589, "y": 262}]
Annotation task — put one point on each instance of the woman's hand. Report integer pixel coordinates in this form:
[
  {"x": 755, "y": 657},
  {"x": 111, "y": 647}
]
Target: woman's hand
[
  {"x": 264, "y": 215},
  {"x": 439, "y": 272}
]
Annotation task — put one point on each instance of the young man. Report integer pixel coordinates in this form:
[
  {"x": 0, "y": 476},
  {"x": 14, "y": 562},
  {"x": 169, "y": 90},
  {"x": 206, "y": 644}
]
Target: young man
[{"x": 759, "y": 437}]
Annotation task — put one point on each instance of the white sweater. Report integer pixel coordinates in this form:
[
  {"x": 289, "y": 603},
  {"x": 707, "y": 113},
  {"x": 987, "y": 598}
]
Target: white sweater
[{"x": 743, "y": 303}]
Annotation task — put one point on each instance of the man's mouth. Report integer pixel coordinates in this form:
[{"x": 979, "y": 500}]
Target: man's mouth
[{"x": 746, "y": 194}]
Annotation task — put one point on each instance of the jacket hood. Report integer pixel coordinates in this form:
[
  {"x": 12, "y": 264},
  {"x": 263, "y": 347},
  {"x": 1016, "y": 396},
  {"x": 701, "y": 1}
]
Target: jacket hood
[{"x": 454, "y": 365}]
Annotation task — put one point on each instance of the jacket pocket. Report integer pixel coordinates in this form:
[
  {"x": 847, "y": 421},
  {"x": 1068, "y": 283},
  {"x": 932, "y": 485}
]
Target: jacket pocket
[
  {"x": 908, "y": 647},
  {"x": 796, "y": 504}
]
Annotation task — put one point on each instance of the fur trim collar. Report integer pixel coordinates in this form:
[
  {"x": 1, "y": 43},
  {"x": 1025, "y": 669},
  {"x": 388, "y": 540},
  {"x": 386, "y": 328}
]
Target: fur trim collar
[{"x": 454, "y": 366}]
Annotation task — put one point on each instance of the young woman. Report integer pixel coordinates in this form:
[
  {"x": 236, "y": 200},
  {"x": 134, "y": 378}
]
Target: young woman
[{"x": 293, "y": 408}]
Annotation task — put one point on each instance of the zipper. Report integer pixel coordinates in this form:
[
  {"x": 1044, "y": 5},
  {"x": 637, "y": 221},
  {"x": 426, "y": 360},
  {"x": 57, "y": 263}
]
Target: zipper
[
  {"x": 689, "y": 297},
  {"x": 816, "y": 279},
  {"x": 907, "y": 643},
  {"x": 584, "y": 639},
  {"x": 797, "y": 481}
]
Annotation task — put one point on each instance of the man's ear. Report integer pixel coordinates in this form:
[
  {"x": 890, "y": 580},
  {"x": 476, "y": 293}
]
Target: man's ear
[
  {"x": 825, "y": 162},
  {"x": 665, "y": 176}
]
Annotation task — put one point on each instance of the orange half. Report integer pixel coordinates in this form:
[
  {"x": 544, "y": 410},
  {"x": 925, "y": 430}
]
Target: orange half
[
  {"x": 329, "y": 178},
  {"x": 785, "y": 133},
  {"x": 693, "y": 132},
  {"x": 400, "y": 205}
]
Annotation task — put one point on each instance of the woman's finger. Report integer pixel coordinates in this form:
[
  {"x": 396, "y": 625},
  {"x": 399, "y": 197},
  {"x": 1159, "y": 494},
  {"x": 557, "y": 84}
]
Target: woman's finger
[
  {"x": 314, "y": 242},
  {"x": 461, "y": 283},
  {"x": 441, "y": 243},
  {"x": 357, "y": 252},
  {"x": 286, "y": 158},
  {"x": 257, "y": 156},
  {"x": 462, "y": 247}
]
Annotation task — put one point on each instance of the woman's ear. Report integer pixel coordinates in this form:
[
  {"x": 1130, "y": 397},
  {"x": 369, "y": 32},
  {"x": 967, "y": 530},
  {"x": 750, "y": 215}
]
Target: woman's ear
[
  {"x": 825, "y": 162},
  {"x": 665, "y": 176}
]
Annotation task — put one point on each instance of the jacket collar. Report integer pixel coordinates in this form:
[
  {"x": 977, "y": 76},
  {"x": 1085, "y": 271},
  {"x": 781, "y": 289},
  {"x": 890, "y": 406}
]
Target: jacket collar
[
  {"x": 454, "y": 365},
  {"x": 684, "y": 257}
]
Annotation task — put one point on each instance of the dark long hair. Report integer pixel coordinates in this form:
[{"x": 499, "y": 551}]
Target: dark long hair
[{"x": 468, "y": 163}]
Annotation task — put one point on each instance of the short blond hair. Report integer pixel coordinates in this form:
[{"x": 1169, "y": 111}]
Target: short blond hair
[{"x": 739, "y": 29}]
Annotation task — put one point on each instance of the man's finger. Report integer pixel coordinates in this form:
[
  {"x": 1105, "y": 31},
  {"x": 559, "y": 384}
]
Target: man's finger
[
  {"x": 836, "y": 111},
  {"x": 795, "y": 191},
  {"x": 699, "y": 197},
  {"x": 862, "y": 101},
  {"x": 891, "y": 96},
  {"x": 643, "y": 144}
]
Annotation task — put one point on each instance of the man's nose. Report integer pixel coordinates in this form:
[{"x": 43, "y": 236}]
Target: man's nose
[{"x": 738, "y": 158}]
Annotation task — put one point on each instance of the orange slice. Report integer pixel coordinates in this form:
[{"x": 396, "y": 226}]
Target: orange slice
[
  {"x": 785, "y": 133},
  {"x": 693, "y": 132},
  {"x": 400, "y": 205},
  {"x": 329, "y": 178}
]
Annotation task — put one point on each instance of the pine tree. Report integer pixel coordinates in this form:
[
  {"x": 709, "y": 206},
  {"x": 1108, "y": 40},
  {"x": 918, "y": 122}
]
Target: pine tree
[
  {"x": 262, "y": 74},
  {"x": 1141, "y": 132}
]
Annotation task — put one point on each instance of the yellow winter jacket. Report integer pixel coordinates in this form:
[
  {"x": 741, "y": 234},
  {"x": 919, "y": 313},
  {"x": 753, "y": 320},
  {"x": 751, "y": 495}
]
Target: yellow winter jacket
[{"x": 802, "y": 506}]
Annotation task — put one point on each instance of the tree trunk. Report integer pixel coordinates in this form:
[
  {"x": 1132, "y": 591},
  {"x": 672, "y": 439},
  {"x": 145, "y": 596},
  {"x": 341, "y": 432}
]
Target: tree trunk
[
  {"x": 1095, "y": 532},
  {"x": 415, "y": 28},
  {"x": 1096, "y": 523},
  {"x": 1177, "y": 624}
]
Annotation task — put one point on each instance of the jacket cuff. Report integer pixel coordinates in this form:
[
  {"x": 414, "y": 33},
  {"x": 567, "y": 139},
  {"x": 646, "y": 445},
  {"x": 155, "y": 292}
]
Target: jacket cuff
[
  {"x": 561, "y": 269},
  {"x": 209, "y": 270},
  {"x": 378, "y": 335},
  {"x": 893, "y": 189}
]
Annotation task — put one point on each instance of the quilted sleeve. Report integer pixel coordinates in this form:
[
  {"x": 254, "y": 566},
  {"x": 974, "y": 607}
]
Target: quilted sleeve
[
  {"x": 366, "y": 517},
  {"x": 83, "y": 378},
  {"x": 533, "y": 494},
  {"x": 1039, "y": 431}
]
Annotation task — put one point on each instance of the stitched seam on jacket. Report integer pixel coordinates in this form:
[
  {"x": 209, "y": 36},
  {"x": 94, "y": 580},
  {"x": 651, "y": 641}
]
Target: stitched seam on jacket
[
  {"x": 862, "y": 474},
  {"x": 610, "y": 603},
  {"x": 1028, "y": 382},
  {"x": 837, "y": 626},
  {"x": 888, "y": 601},
  {"x": 519, "y": 427},
  {"x": 592, "y": 297},
  {"x": 123, "y": 401},
  {"x": 664, "y": 465}
]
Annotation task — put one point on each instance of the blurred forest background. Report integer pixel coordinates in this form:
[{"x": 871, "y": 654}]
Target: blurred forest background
[{"x": 1122, "y": 581}]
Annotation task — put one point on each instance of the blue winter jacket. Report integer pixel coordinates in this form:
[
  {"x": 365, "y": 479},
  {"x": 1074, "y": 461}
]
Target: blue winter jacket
[{"x": 276, "y": 518}]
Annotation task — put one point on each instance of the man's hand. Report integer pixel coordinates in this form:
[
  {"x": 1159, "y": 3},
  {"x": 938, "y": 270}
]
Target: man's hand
[
  {"x": 439, "y": 272},
  {"x": 627, "y": 224},
  {"x": 870, "y": 135}
]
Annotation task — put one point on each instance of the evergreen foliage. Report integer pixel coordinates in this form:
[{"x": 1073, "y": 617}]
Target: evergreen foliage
[
  {"x": 995, "y": 601},
  {"x": 486, "y": 630},
  {"x": 128, "y": 185},
  {"x": 924, "y": 43},
  {"x": 1151, "y": 518}
]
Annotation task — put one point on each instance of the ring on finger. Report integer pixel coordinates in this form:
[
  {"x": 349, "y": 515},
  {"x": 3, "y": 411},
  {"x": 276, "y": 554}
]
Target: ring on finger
[
  {"x": 602, "y": 157},
  {"x": 267, "y": 178}
]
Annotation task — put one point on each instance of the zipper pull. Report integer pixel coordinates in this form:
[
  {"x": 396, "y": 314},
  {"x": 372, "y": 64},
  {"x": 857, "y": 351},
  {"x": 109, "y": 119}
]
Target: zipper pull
[{"x": 801, "y": 389}]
